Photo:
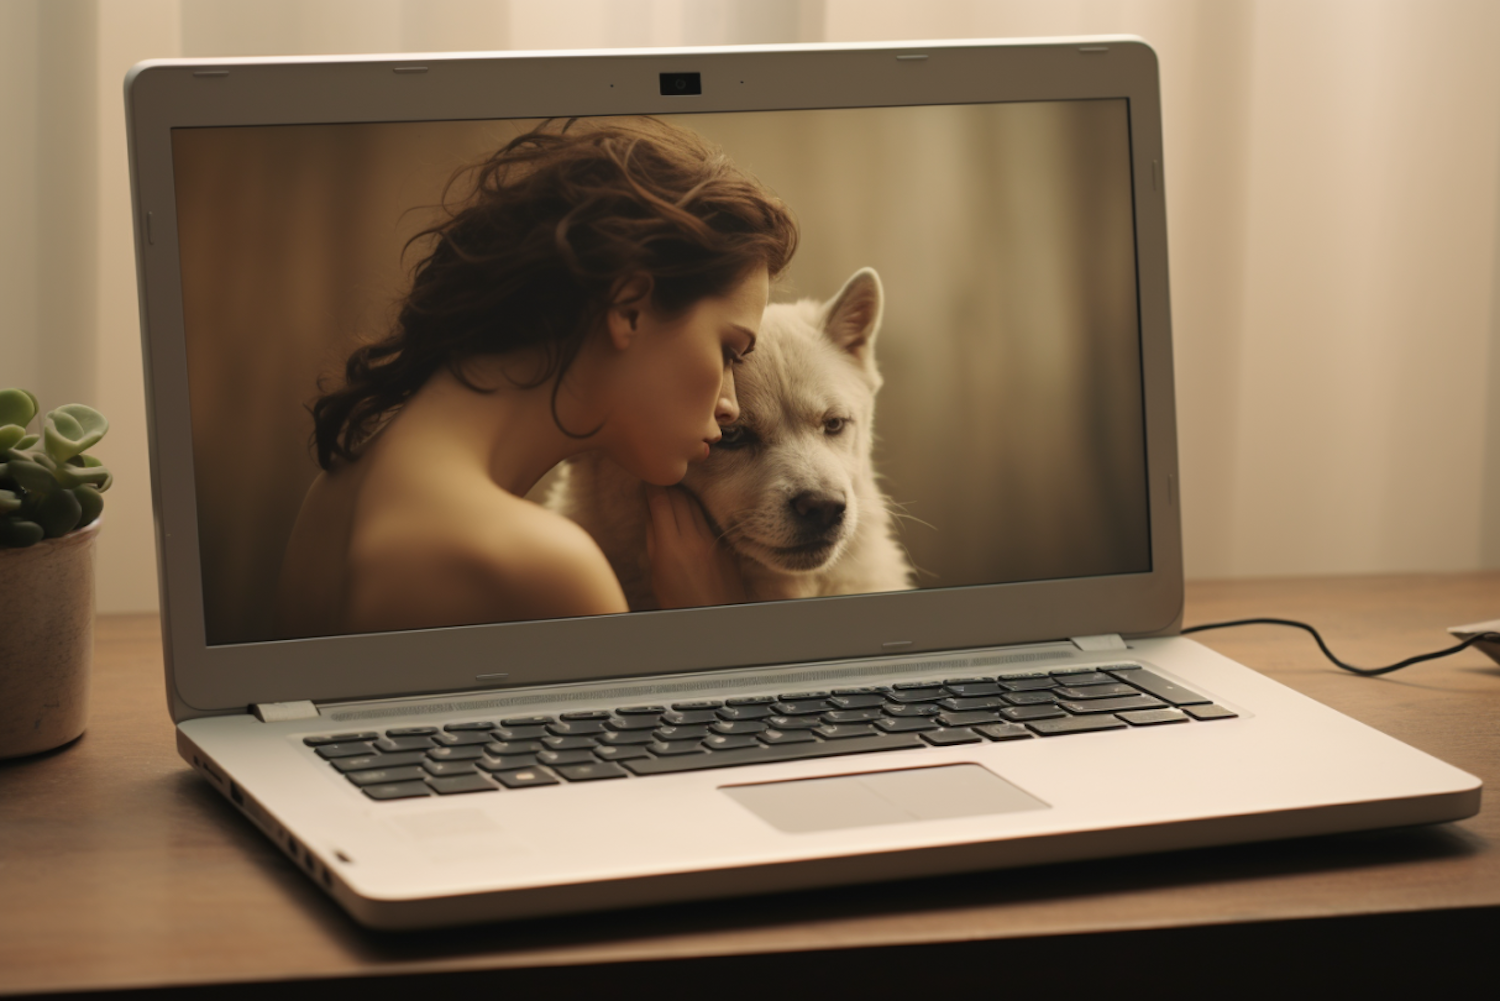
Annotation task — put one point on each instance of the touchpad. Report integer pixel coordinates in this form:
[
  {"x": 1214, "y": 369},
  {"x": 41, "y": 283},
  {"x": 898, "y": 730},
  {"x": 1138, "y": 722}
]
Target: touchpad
[{"x": 897, "y": 797}]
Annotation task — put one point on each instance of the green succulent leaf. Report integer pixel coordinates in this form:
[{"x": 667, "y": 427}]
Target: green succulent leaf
[
  {"x": 18, "y": 533},
  {"x": 11, "y": 435},
  {"x": 17, "y": 406},
  {"x": 70, "y": 476},
  {"x": 32, "y": 476},
  {"x": 28, "y": 442},
  {"x": 9, "y": 501},
  {"x": 59, "y": 513},
  {"x": 91, "y": 504},
  {"x": 71, "y": 429}
]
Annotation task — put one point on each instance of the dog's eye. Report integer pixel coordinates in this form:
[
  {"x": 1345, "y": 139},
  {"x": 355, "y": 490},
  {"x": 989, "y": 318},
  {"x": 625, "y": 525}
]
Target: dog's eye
[
  {"x": 734, "y": 436},
  {"x": 834, "y": 425}
]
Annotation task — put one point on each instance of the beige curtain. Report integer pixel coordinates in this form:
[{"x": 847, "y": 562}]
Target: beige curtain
[{"x": 1332, "y": 174}]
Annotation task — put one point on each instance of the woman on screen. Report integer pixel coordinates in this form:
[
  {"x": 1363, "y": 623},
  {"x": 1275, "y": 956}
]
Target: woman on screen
[{"x": 593, "y": 292}]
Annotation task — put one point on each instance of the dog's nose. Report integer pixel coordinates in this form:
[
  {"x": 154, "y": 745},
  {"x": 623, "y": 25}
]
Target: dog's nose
[{"x": 817, "y": 512}]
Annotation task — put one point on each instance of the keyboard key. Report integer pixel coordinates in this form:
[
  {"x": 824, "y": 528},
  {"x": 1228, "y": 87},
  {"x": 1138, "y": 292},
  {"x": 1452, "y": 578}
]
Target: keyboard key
[
  {"x": 802, "y": 696},
  {"x": 1076, "y": 676},
  {"x": 801, "y": 707},
  {"x": 576, "y": 728},
  {"x": 917, "y": 695},
  {"x": 1210, "y": 711},
  {"x": 746, "y": 712},
  {"x": 500, "y": 749},
  {"x": 952, "y": 735},
  {"x": 676, "y": 748},
  {"x": 411, "y": 731},
  {"x": 1075, "y": 724},
  {"x": 862, "y": 690},
  {"x": 1031, "y": 712},
  {"x": 346, "y": 750},
  {"x": 681, "y": 732},
  {"x": 526, "y": 777},
  {"x": 391, "y": 745},
  {"x": 951, "y": 682},
  {"x": 448, "y": 767},
  {"x": 643, "y": 721},
  {"x": 573, "y": 757},
  {"x": 338, "y": 738},
  {"x": 858, "y": 701},
  {"x": 918, "y": 709},
  {"x": 907, "y": 724},
  {"x": 461, "y": 784},
  {"x": 519, "y": 732},
  {"x": 700, "y": 704},
  {"x": 750, "y": 700},
  {"x": 795, "y": 722},
  {"x": 1153, "y": 717},
  {"x": 585, "y": 714},
  {"x": 911, "y": 686},
  {"x": 970, "y": 718},
  {"x": 1112, "y": 705},
  {"x": 1167, "y": 691},
  {"x": 1027, "y": 684},
  {"x": 738, "y": 726},
  {"x": 466, "y": 752},
  {"x": 1004, "y": 731},
  {"x": 853, "y": 715},
  {"x": 973, "y": 689},
  {"x": 843, "y": 731},
  {"x": 472, "y": 725},
  {"x": 593, "y": 770},
  {"x": 379, "y": 776},
  {"x": 625, "y": 738},
  {"x": 980, "y": 702},
  {"x": 770, "y": 754},
  {"x": 527, "y": 721},
  {"x": 1041, "y": 698},
  {"x": 463, "y": 738},
  {"x": 640, "y": 710},
  {"x": 506, "y": 763},
  {"x": 787, "y": 737},
  {"x": 728, "y": 742},
  {"x": 397, "y": 790},
  {"x": 690, "y": 717},
  {"x": 568, "y": 743},
  {"x": 1109, "y": 691},
  {"x": 365, "y": 762},
  {"x": 624, "y": 753}
]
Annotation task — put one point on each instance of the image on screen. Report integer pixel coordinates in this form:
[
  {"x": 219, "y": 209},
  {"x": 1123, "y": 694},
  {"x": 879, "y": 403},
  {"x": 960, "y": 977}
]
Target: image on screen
[{"x": 455, "y": 373}]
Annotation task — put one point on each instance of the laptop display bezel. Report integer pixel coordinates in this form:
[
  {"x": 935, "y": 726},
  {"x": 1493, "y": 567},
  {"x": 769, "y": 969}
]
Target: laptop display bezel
[{"x": 203, "y": 679}]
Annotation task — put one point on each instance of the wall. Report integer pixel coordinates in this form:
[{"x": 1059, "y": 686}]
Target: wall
[{"x": 1333, "y": 168}]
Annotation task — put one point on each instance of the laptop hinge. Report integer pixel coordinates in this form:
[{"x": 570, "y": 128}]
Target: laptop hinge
[
  {"x": 280, "y": 712},
  {"x": 1106, "y": 641}
]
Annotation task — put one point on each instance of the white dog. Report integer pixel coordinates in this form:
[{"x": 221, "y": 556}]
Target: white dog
[{"x": 791, "y": 487}]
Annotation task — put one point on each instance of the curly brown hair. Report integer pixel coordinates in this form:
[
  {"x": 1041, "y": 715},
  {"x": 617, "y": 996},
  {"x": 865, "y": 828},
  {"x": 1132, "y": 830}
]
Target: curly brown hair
[{"x": 556, "y": 221}]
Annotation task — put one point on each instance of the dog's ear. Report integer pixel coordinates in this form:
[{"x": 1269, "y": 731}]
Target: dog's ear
[{"x": 851, "y": 319}]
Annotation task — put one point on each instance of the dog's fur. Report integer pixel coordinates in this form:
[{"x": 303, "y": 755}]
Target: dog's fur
[{"x": 791, "y": 491}]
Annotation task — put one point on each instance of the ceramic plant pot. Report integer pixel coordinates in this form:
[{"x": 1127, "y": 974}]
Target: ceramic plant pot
[{"x": 46, "y": 642}]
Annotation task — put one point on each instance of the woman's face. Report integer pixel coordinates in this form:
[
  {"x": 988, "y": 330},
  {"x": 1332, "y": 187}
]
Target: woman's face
[{"x": 675, "y": 384}]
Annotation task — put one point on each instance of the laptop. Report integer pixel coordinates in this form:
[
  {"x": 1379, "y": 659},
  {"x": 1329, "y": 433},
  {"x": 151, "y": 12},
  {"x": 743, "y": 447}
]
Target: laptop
[{"x": 945, "y": 480}]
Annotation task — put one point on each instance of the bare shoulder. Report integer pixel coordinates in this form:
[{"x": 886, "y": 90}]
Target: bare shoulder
[{"x": 502, "y": 559}]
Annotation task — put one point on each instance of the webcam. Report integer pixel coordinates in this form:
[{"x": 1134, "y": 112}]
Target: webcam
[{"x": 681, "y": 84}]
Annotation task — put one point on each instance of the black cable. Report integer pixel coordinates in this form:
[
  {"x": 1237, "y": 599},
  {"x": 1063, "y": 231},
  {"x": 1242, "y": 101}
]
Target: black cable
[{"x": 1367, "y": 671}]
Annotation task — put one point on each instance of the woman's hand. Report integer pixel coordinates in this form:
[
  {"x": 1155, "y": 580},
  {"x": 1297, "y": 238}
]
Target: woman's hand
[{"x": 689, "y": 566}]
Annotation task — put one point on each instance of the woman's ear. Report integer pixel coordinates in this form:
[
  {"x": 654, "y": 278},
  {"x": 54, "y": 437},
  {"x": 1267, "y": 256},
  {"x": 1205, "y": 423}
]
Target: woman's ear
[{"x": 627, "y": 301}]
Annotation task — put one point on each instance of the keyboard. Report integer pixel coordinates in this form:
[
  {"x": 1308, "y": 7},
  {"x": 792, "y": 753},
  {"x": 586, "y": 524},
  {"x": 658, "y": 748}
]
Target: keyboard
[{"x": 523, "y": 752}]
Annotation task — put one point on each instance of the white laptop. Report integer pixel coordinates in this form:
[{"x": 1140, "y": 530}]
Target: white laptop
[{"x": 957, "y": 644}]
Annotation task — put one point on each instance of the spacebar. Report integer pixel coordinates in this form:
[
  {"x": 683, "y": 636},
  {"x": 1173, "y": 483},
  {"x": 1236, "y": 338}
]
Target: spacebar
[{"x": 767, "y": 755}]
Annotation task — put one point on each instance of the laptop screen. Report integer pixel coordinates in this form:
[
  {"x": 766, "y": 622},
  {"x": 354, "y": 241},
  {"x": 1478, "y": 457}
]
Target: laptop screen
[{"x": 945, "y": 389}]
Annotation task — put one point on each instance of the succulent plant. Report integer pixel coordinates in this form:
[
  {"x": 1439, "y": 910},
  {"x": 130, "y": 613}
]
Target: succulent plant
[{"x": 48, "y": 485}]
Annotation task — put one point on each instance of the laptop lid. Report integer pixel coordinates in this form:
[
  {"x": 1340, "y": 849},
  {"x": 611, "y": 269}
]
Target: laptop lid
[{"x": 1008, "y": 194}]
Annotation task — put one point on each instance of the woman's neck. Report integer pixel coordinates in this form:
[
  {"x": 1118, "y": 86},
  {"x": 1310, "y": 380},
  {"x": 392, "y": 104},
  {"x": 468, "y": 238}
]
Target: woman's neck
[{"x": 508, "y": 432}]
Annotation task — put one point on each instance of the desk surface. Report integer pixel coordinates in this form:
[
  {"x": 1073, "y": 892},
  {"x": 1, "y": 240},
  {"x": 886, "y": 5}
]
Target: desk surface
[{"x": 121, "y": 868}]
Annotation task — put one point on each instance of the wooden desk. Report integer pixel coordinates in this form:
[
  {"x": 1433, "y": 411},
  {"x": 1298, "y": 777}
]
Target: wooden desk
[{"x": 120, "y": 868}]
